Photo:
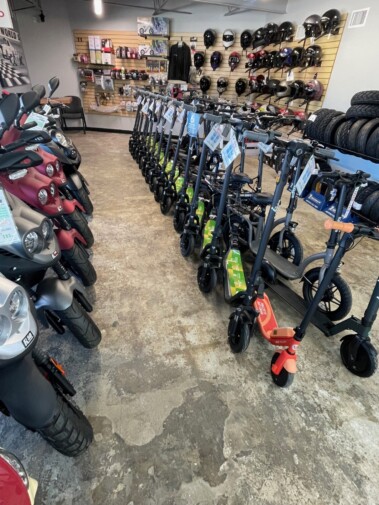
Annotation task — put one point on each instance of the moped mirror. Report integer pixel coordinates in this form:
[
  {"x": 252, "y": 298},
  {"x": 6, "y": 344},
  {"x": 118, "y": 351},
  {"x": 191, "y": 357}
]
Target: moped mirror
[
  {"x": 53, "y": 85},
  {"x": 29, "y": 101},
  {"x": 9, "y": 107},
  {"x": 40, "y": 90}
]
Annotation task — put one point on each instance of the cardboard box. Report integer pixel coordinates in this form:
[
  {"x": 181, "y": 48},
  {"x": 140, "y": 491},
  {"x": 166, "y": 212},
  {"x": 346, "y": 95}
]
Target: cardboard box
[
  {"x": 91, "y": 42},
  {"x": 92, "y": 55},
  {"x": 108, "y": 59},
  {"x": 98, "y": 57},
  {"x": 97, "y": 43}
]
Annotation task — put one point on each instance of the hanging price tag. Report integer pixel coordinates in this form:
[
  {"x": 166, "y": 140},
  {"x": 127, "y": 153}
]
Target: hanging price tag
[
  {"x": 266, "y": 148},
  {"x": 181, "y": 115},
  {"x": 8, "y": 230},
  {"x": 309, "y": 170},
  {"x": 139, "y": 100},
  {"x": 312, "y": 118},
  {"x": 193, "y": 122},
  {"x": 160, "y": 127},
  {"x": 231, "y": 151},
  {"x": 214, "y": 137},
  {"x": 158, "y": 107},
  {"x": 290, "y": 76},
  {"x": 145, "y": 108},
  {"x": 151, "y": 107},
  {"x": 169, "y": 114}
]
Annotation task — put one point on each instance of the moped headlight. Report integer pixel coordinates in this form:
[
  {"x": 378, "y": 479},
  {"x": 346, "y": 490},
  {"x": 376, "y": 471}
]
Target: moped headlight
[
  {"x": 43, "y": 196},
  {"x": 50, "y": 170},
  {"x": 61, "y": 139},
  {"x": 16, "y": 464},
  {"x": 46, "y": 229},
  {"x": 5, "y": 328},
  {"x": 53, "y": 189},
  {"x": 16, "y": 303},
  {"x": 31, "y": 242}
]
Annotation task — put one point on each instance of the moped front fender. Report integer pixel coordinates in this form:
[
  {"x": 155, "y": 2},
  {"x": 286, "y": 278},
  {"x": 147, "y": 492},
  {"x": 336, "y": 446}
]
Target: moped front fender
[
  {"x": 55, "y": 294},
  {"x": 66, "y": 238}
]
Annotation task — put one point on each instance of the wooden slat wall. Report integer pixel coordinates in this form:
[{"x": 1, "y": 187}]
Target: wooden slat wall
[{"x": 329, "y": 47}]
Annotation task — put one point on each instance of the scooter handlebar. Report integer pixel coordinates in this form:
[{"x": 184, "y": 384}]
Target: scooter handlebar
[
  {"x": 177, "y": 103},
  {"x": 329, "y": 224},
  {"x": 324, "y": 152},
  {"x": 256, "y": 136},
  {"x": 189, "y": 108},
  {"x": 213, "y": 118}
]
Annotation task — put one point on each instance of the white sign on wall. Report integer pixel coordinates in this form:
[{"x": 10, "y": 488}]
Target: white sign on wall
[{"x": 5, "y": 15}]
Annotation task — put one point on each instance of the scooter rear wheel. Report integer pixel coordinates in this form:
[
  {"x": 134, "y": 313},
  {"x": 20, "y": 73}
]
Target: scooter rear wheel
[
  {"x": 292, "y": 249},
  {"x": 238, "y": 339},
  {"x": 359, "y": 356},
  {"x": 187, "y": 244},
  {"x": 70, "y": 431},
  {"x": 284, "y": 379},
  {"x": 206, "y": 279}
]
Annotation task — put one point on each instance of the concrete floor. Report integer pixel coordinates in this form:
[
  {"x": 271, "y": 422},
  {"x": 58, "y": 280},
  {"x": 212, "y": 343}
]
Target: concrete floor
[{"x": 179, "y": 419}]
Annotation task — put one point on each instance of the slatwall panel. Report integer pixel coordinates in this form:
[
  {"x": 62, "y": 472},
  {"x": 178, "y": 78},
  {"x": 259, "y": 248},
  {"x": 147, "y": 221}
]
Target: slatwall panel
[{"x": 329, "y": 47}]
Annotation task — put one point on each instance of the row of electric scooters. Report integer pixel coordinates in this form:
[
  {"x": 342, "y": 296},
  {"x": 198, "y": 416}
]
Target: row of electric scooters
[
  {"x": 44, "y": 266},
  {"x": 224, "y": 217}
]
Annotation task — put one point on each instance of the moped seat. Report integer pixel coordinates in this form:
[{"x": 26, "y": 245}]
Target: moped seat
[{"x": 262, "y": 199}]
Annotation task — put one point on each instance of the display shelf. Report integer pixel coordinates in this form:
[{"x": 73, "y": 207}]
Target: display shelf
[{"x": 147, "y": 36}]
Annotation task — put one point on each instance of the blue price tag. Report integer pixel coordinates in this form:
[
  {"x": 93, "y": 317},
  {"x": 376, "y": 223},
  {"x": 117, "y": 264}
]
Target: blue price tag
[{"x": 193, "y": 122}]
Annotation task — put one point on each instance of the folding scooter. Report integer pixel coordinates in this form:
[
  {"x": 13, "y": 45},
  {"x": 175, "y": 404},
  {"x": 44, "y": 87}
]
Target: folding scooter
[
  {"x": 147, "y": 129},
  {"x": 134, "y": 138}
]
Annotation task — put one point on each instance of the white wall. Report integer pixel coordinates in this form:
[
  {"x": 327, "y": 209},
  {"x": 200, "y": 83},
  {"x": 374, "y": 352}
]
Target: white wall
[{"x": 49, "y": 46}]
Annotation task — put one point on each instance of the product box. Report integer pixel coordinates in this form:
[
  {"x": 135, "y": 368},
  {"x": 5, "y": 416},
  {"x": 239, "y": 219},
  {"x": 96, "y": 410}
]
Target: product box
[
  {"x": 108, "y": 59},
  {"x": 97, "y": 39},
  {"x": 91, "y": 42},
  {"x": 106, "y": 46},
  {"x": 92, "y": 55},
  {"x": 98, "y": 57}
]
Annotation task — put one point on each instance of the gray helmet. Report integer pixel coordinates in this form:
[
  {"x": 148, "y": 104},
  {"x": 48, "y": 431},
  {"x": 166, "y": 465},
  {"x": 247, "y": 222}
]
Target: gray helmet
[{"x": 283, "y": 89}]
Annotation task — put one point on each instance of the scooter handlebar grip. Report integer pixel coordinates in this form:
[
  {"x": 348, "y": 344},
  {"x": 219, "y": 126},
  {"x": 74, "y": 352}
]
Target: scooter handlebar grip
[
  {"x": 256, "y": 136},
  {"x": 177, "y": 103},
  {"x": 273, "y": 135},
  {"x": 324, "y": 152},
  {"x": 189, "y": 107},
  {"x": 335, "y": 225},
  {"x": 212, "y": 117}
]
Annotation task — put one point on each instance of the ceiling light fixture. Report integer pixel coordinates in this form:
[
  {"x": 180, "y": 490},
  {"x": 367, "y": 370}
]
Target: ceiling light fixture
[{"x": 98, "y": 7}]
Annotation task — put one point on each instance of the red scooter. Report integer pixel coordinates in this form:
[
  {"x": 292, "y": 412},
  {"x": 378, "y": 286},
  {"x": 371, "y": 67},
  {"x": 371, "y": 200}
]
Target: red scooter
[{"x": 16, "y": 487}]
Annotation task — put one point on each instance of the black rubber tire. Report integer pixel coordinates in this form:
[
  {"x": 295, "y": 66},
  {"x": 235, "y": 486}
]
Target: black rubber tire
[
  {"x": 362, "y": 111},
  {"x": 292, "y": 248},
  {"x": 365, "y": 363},
  {"x": 77, "y": 259},
  {"x": 331, "y": 128},
  {"x": 369, "y": 203},
  {"x": 338, "y": 284},
  {"x": 374, "y": 212},
  {"x": 354, "y": 132},
  {"x": 372, "y": 146},
  {"x": 365, "y": 98},
  {"x": 166, "y": 205},
  {"x": 83, "y": 197},
  {"x": 310, "y": 126},
  {"x": 342, "y": 134},
  {"x": 321, "y": 123},
  {"x": 187, "y": 244},
  {"x": 81, "y": 325},
  {"x": 284, "y": 379},
  {"x": 79, "y": 222},
  {"x": 240, "y": 340},
  {"x": 70, "y": 431},
  {"x": 206, "y": 281},
  {"x": 179, "y": 221},
  {"x": 365, "y": 134},
  {"x": 364, "y": 193}
]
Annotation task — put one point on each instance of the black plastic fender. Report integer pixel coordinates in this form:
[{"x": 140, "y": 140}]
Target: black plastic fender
[{"x": 55, "y": 294}]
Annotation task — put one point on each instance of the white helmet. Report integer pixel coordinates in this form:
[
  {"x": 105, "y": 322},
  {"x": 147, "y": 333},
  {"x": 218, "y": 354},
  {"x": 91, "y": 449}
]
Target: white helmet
[{"x": 228, "y": 38}]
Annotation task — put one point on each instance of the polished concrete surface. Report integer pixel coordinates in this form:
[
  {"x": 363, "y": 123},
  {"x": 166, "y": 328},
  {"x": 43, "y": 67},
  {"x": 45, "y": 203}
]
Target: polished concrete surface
[{"x": 179, "y": 419}]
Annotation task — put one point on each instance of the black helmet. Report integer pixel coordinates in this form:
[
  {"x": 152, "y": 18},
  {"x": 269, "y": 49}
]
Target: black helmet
[
  {"x": 273, "y": 85},
  {"x": 271, "y": 59},
  {"x": 312, "y": 26},
  {"x": 260, "y": 38},
  {"x": 222, "y": 85},
  {"x": 209, "y": 38},
  {"x": 297, "y": 89},
  {"x": 241, "y": 85},
  {"x": 285, "y": 32},
  {"x": 330, "y": 21},
  {"x": 283, "y": 89},
  {"x": 271, "y": 33},
  {"x": 298, "y": 57},
  {"x": 313, "y": 55},
  {"x": 246, "y": 39},
  {"x": 205, "y": 83},
  {"x": 216, "y": 59},
  {"x": 198, "y": 59}
]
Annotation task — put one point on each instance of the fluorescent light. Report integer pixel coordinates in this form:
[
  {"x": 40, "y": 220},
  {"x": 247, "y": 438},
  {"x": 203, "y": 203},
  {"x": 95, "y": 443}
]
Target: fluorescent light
[{"x": 98, "y": 7}]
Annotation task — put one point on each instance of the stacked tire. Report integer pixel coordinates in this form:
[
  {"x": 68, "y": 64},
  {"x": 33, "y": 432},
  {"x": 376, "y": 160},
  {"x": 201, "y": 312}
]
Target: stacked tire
[{"x": 356, "y": 131}]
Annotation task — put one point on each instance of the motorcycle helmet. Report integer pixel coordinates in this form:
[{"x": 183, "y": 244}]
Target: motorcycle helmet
[
  {"x": 273, "y": 85},
  {"x": 246, "y": 39},
  {"x": 283, "y": 89},
  {"x": 253, "y": 84},
  {"x": 313, "y": 90},
  {"x": 198, "y": 60},
  {"x": 250, "y": 61},
  {"x": 205, "y": 83},
  {"x": 297, "y": 89},
  {"x": 285, "y": 32},
  {"x": 228, "y": 38},
  {"x": 261, "y": 59},
  {"x": 234, "y": 60},
  {"x": 298, "y": 57},
  {"x": 271, "y": 33},
  {"x": 209, "y": 38},
  {"x": 286, "y": 57},
  {"x": 222, "y": 85},
  {"x": 241, "y": 85},
  {"x": 313, "y": 56},
  {"x": 312, "y": 26},
  {"x": 330, "y": 21},
  {"x": 260, "y": 38},
  {"x": 216, "y": 59}
]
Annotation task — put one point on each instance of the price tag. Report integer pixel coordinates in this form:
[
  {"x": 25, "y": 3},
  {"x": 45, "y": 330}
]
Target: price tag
[
  {"x": 309, "y": 170},
  {"x": 181, "y": 115},
  {"x": 266, "y": 148},
  {"x": 312, "y": 118},
  {"x": 231, "y": 151},
  {"x": 214, "y": 137},
  {"x": 139, "y": 100},
  {"x": 8, "y": 230},
  {"x": 160, "y": 127},
  {"x": 145, "y": 108},
  {"x": 47, "y": 108},
  {"x": 37, "y": 118},
  {"x": 290, "y": 76},
  {"x": 158, "y": 107},
  {"x": 169, "y": 114},
  {"x": 151, "y": 106},
  {"x": 193, "y": 122}
]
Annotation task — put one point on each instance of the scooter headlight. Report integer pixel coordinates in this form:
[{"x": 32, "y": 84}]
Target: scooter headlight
[
  {"x": 5, "y": 329},
  {"x": 50, "y": 170},
  {"x": 16, "y": 464},
  {"x": 43, "y": 196},
  {"x": 31, "y": 242},
  {"x": 16, "y": 303},
  {"x": 53, "y": 189},
  {"x": 61, "y": 139},
  {"x": 46, "y": 229}
]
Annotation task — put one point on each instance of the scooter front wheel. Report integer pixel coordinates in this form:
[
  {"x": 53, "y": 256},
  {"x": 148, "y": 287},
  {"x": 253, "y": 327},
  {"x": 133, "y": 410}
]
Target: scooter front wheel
[
  {"x": 206, "y": 278},
  {"x": 284, "y": 379},
  {"x": 291, "y": 250},
  {"x": 82, "y": 196},
  {"x": 238, "y": 336},
  {"x": 78, "y": 261},
  {"x": 187, "y": 244},
  {"x": 81, "y": 325},
  {"x": 79, "y": 222},
  {"x": 359, "y": 356},
  {"x": 165, "y": 205},
  {"x": 179, "y": 220}
]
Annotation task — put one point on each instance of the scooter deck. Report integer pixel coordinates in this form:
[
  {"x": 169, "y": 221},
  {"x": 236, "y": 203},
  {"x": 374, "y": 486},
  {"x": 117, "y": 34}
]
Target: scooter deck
[
  {"x": 236, "y": 281},
  {"x": 266, "y": 320}
]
